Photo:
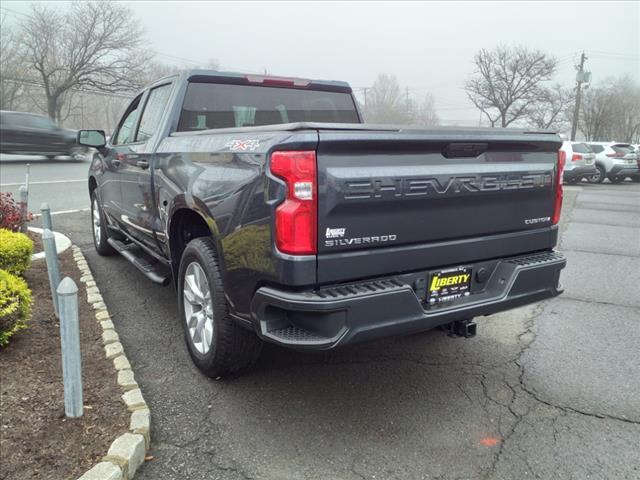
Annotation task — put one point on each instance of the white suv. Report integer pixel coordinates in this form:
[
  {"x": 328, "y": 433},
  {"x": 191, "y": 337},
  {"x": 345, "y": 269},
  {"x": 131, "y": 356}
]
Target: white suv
[
  {"x": 579, "y": 161},
  {"x": 615, "y": 161}
]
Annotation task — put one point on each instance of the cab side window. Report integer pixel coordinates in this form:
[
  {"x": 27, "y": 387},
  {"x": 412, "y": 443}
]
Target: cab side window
[
  {"x": 127, "y": 124},
  {"x": 153, "y": 110}
]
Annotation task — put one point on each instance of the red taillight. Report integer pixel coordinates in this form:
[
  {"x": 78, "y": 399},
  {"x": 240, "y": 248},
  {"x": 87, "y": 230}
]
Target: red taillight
[
  {"x": 576, "y": 157},
  {"x": 615, "y": 155},
  {"x": 557, "y": 204},
  {"x": 296, "y": 221}
]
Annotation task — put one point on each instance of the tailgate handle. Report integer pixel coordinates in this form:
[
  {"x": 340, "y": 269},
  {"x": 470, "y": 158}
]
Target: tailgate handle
[{"x": 460, "y": 150}]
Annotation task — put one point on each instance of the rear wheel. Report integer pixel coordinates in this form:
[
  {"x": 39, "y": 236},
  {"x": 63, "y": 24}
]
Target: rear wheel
[
  {"x": 99, "y": 228},
  {"x": 217, "y": 344},
  {"x": 597, "y": 177}
]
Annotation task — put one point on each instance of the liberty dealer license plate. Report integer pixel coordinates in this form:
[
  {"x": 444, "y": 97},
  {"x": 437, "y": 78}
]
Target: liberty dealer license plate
[{"x": 449, "y": 284}]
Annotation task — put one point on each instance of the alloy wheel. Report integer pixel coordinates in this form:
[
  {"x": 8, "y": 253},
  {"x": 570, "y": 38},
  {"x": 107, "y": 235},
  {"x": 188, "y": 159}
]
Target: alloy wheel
[
  {"x": 198, "y": 307},
  {"x": 95, "y": 213}
]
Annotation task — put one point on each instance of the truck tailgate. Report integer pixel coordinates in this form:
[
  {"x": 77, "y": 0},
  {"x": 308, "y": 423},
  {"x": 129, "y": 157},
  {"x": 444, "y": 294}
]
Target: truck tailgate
[{"x": 391, "y": 193}]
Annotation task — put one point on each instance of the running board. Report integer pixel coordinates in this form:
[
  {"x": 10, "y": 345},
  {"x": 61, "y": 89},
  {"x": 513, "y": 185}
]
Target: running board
[{"x": 152, "y": 269}]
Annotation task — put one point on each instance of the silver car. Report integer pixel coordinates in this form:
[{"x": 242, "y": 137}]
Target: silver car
[{"x": 579, "y": 161}]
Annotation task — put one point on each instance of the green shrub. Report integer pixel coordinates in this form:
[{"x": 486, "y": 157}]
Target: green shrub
[
  {"x": 15, "y": 251},
  {"x": 15, "y": 305}
]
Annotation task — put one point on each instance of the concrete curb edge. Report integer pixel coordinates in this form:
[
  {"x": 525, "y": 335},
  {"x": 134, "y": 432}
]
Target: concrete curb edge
[
  {"x": 62, "y": 243},
  {"x": 127, "y": 452}
]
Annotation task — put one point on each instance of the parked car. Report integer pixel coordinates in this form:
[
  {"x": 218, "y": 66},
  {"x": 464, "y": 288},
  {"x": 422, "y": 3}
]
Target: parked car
[
  {"x": 615, "y": 161},
  {"x": 636, "y": 177},
  {"x": 278, "y": 226},
  {"x": 32, "y": 134},
  {"x": 579, "y": 161}
]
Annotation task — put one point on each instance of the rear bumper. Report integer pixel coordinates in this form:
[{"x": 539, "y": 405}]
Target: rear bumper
[
  {"x": 623, "y": 170},
  {"x": 340, "y": 315},
  {"x": 579, "y": 171}
]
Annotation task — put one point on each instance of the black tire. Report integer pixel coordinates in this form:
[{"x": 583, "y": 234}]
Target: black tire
[
  {"x": 572, "y": 181},
  {"x": 102, "y": 246},
  {"x": 635, "y": 179},
  {"x": 615, "y": 179},
  {"x": 233, "y": 347},
  {"x": 598, "y": 177}
]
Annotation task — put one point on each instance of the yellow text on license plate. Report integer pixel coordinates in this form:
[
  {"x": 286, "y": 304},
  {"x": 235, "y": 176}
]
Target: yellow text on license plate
[{"x": 438, "y": 282}]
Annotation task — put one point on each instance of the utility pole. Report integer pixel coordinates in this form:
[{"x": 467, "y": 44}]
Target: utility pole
[
  {"x": 407, "y": 97},
  {"x": 580, "y": 77}
]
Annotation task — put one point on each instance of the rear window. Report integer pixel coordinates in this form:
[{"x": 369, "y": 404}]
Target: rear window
[
  {"x": 619, "y": 149},
  {"x": 581, "y": 148},
  {"x": 211, "y": 105}
]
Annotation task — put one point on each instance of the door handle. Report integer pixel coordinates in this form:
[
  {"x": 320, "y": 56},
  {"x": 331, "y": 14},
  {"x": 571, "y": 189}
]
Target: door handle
[{"x": 143, "y": 164}]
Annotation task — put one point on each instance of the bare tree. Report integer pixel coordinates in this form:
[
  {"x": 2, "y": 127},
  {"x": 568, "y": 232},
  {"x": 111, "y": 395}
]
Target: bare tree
[
  {"x": 508, "y": 81},
  {"x": 550, "y": 111},
  {"x": 611, "y": 112},
  {"x": 384, "y": 103},
  {"x": 625, "y": 125},
  {"x": 11, "y": 66},
  {"x": 423, "y": 112},
  {"x": 596, "y": 113},
  {"x": 96, "y": 45}
]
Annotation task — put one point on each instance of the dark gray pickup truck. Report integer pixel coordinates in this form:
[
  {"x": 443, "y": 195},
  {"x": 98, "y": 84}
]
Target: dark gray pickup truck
[{"x": 281, "y": 217}]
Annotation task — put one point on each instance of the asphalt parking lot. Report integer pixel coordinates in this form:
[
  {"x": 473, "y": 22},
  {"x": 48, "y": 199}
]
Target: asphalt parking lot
[
  {"x": 62, "y": 183},
  {"x": 548, "y": 391}
]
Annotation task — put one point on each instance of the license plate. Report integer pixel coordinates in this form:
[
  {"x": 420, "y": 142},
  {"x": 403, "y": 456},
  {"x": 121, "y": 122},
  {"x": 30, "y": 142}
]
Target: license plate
[{"x": 448, "y": 285}]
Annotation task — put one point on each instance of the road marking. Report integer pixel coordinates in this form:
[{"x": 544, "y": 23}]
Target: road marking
[
  {"x": 42, "y": 183},
  {"x": 62, "y": 212}
]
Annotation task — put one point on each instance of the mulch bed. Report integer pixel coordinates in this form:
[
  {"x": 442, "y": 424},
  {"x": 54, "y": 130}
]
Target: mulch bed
[
  {"x": 36, "y": 440},
  {"x": 36, "y": 238}
]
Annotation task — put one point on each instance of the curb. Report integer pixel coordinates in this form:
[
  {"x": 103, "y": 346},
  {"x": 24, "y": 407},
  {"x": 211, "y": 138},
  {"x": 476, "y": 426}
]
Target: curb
[
  {"x": 62, "y": 243},
  {"x": 127, "y": 452}
]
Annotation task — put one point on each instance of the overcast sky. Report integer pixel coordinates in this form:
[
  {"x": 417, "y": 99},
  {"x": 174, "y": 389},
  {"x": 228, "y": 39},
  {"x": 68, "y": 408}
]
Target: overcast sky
[{"x": 429, "y": 46}]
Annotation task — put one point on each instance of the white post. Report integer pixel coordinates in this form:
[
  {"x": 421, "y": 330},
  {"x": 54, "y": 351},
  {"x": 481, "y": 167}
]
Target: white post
[
  {"x": 24, "y": 207},
  {"x": 70, "y": 342},
  {"x": 46, "y": 216},
  {"x": 53, "y": 269}
]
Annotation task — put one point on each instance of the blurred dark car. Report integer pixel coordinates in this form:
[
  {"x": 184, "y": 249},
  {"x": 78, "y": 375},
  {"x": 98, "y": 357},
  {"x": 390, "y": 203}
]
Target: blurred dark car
[{"x": 32, "y": 134}]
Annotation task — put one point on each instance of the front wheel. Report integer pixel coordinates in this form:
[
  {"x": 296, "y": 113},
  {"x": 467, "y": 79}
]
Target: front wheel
[
  {"x": 99, "y": 228},
  {"x": 217, "y": 344},
  {"x": 597, "y": 177}
]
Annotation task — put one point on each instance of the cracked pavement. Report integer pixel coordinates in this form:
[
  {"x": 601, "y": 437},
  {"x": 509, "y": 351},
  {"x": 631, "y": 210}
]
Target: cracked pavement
[{"x": 546, "y": 391}]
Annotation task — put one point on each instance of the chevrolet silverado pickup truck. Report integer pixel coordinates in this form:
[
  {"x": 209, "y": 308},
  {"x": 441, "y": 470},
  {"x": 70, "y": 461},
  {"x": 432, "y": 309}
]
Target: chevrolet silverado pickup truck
[{"x": 280, "y": 216}]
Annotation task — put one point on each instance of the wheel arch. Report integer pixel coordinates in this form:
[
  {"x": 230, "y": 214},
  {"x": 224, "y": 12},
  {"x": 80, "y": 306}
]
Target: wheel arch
[
  {"x": 184, "y": 225},
  {"x": 93, "y": 184}
]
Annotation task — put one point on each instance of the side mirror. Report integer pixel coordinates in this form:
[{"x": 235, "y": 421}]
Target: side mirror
[{"x": 92, "y": 138}]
